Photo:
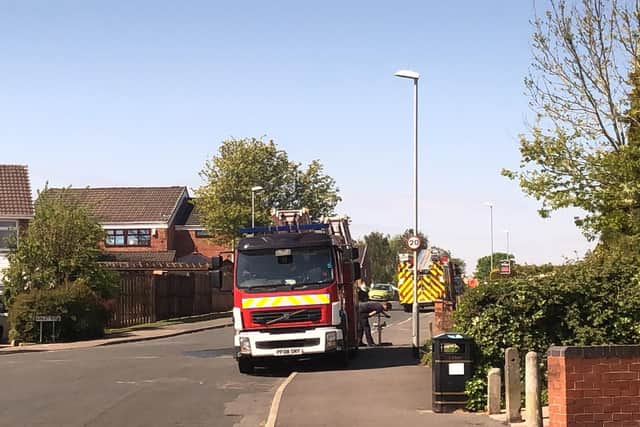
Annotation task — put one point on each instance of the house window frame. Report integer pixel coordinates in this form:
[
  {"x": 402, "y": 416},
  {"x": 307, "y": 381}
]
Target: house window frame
[
  {"x": 4, "y": 227},
  {"x": 125, "y": 237}
]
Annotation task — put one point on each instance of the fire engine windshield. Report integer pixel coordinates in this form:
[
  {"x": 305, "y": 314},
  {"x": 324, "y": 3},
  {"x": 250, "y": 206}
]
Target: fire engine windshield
[{"x": 277, "y": 267}]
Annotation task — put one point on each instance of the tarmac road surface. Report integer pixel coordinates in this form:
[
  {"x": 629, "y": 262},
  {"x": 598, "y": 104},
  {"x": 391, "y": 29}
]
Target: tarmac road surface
[{"x": 189, "y": 380}]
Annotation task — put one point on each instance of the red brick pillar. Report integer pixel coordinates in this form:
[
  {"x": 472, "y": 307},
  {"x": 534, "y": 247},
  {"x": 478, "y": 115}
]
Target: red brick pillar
[
  {"x": 594, "y": 386},
  {"x": 443, "y": 316}
]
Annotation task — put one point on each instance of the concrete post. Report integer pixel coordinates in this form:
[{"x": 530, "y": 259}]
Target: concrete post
[
  {"x": 512, "y": 384},
  {"x": 493, "y": 398},
  {"x": 532, "y": 390}
]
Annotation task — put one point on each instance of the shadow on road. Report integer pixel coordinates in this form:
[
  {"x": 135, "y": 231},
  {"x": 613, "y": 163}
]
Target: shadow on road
[{"x": 367, "y": 358}]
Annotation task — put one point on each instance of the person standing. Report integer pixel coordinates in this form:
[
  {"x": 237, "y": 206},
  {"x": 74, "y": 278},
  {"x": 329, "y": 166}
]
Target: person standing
[{"x": 366, "y": 310}]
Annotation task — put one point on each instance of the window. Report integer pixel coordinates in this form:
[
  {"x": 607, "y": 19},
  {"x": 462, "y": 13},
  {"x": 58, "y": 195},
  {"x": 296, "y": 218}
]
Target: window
[
  {"x": 8, "y": 235},
  {"x": 141, "y": 237},
  {"x": 202, "y": 233},
  {"x": 285, "y": 267}
]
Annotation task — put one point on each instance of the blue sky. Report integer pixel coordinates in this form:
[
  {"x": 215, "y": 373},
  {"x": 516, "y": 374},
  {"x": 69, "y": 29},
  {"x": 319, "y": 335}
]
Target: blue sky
[{"x": 143, "y": 92}]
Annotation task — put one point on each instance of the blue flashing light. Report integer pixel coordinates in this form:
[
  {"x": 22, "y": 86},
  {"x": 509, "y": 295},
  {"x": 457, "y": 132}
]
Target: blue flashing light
[{"x": 291, "y": 228}]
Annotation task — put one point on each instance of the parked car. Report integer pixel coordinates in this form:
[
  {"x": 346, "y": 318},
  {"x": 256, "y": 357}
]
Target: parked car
[{"x": 382, "y": 292}]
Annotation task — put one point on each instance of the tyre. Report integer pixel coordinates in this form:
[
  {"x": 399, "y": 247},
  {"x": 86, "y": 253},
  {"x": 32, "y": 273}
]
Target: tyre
[
  {"x": 245, "y": 365},
  {"x": 407, "y": 308}
]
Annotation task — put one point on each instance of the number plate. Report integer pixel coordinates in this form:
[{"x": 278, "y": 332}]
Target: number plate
[{"x": 288, "y": 351}]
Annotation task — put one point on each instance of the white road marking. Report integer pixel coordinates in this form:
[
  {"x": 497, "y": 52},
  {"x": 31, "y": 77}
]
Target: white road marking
[{"x": 275, "y": 404}]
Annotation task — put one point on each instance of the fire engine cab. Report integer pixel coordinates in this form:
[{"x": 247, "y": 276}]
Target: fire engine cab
[{"x": 294, "y": 293}]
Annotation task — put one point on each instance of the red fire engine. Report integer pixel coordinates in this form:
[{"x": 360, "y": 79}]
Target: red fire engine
[{"x": 294, "y": 293}]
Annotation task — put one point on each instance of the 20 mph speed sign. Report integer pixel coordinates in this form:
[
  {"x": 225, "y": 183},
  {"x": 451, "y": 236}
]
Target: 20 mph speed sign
[{"x": 414, "y": 242}]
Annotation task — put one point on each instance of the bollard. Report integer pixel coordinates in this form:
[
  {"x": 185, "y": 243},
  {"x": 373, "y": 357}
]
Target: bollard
[
  {"x": 532, "y": 390},
  {"x": 493, "y": 398},
  {"x": 512, "y": 384}
]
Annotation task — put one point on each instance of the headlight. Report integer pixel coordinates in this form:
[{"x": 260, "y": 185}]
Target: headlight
[
  {"x": 331, "y": 342},
  {"x": 245, "y": 345}
]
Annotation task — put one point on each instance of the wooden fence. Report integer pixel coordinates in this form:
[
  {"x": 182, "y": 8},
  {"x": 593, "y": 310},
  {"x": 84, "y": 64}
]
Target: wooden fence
[{"x": 145, "y": 297}]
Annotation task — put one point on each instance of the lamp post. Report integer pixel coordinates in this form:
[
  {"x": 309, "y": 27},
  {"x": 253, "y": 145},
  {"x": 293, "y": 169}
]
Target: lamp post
[
  {"x": 491, "y": 214},
  {"x": 254, "y": 190},
  {"x": 508, "y": 253},
  {"x": 408, "y": 74}
]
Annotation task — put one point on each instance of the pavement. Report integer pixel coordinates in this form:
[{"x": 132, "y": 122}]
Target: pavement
[
  {"x": 382, "y": 385},
  {"x": 135, "y": 335}
]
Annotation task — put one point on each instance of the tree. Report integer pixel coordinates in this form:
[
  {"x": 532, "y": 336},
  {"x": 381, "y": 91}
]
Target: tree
[
  {"x": 224, "y": 200},
  {"x": 483, "y": 266},
  {"x": 462, "y": 265},
  {"x": 314, "y": 190},
  {"x": 382, "y": 257},
  {"x": 60, "y": 247},
  {"x": 582, "y": 151}
]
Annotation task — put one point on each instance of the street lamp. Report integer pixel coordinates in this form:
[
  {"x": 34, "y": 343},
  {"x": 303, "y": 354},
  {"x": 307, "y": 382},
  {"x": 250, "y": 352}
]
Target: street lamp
[
  {"x": 254, "y": 190},
  {"x": 491, "y": 213},
  {"x": 408, "y": 74}
]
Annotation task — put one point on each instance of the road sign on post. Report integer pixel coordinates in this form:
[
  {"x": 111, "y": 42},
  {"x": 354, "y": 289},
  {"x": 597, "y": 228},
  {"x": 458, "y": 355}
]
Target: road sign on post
[
  {"x": 505, "y": 267},
  {"x": 414, "y": 243}
]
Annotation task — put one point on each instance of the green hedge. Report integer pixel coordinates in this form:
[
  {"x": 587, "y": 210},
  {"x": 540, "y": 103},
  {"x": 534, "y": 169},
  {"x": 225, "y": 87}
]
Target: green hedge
[
  {"x": 82, "y": 314},
  {"x": 596, "y": 301}
]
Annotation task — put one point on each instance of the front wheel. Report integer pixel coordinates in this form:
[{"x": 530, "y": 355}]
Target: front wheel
[
  {"x": 407, "y": 308},
  {"x": 245, "y": 365}
]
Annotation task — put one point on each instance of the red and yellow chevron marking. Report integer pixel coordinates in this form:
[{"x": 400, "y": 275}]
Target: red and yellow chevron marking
[
  {"x": 405, "y": 282},
  {"x": 433, "y": 285},
  {"x": 430, "y": 286},
  {"x": 286, "y": 300}
]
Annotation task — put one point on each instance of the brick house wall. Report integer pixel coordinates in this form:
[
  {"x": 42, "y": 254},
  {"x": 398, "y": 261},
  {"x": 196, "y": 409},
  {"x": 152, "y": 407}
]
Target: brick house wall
[
  {"x": 186, "y": 242},
  {"x": 594, "y": 386}
]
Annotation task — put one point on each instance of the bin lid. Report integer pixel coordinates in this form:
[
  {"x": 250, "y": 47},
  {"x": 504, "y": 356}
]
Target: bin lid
[{"x": 452, "y": 336}]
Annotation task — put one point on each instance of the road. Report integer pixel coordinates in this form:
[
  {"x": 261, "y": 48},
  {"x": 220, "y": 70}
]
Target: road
[{"x": 190, "y": 380}]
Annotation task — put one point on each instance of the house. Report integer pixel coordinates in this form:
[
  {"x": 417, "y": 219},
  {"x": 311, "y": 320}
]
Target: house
[
  {"x": 157, "y": 224},
  {"x": 16, "y": 208}
]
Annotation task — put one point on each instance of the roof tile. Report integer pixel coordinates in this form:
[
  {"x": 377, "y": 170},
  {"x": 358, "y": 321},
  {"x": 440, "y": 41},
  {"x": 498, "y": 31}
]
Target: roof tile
[
  {"x": 15, "y": 192},
  {"x": 115, "y": 205}
]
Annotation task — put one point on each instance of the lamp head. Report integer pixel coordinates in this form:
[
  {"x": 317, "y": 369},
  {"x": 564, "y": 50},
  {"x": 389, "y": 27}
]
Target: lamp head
[
  {"x": 256, "y": 188},
  {"x": 407, "y": 74}
]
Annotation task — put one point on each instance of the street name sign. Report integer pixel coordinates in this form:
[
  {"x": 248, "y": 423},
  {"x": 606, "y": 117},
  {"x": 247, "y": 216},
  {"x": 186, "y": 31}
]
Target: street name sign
[{"x": 48, "y": 318}]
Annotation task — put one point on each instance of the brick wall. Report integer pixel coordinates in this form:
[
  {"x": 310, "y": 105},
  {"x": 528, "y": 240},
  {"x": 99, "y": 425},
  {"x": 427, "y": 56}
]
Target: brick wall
[
  {"x": 443, "y": 317},
  {"x": 594, "y": 386},
  {"x": 186, "y": 242}
]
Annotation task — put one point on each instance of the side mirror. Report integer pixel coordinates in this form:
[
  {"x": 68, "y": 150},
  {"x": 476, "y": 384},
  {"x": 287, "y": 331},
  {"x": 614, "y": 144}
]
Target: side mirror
[
  {"x": 216, "y": 262},
  {"x": 350, "y": 271},
  {"x": 216, "y": 279}
]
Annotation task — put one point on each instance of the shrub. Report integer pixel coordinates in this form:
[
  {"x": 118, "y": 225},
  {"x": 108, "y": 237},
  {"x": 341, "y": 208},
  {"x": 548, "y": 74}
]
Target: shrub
[
  {"x": 82, "y": 314},
  {"x": 476, "y": 391},
  {"x": 596, "y": 301}
]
